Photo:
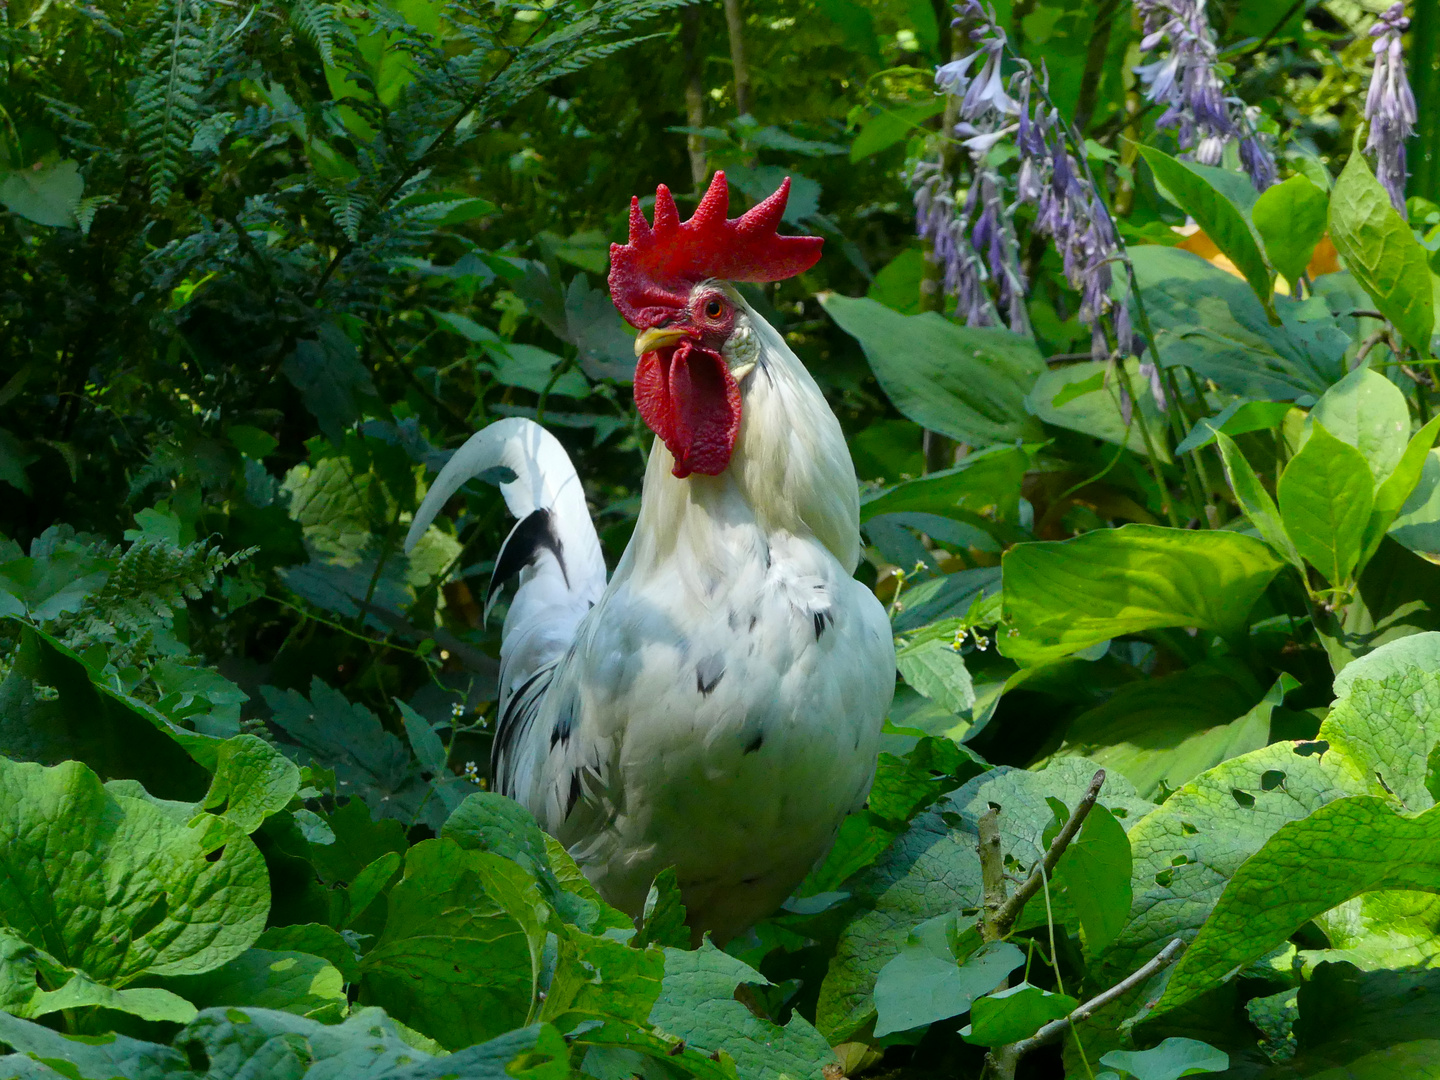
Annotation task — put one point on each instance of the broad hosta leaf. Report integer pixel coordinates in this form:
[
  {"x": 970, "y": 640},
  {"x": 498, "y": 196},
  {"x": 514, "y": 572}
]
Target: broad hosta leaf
[
  {"x": 965, "y": 382},
  {"x": 933, "y": 869},
  {"x": 1171, "y": 1060},
  {"x": 990, "y": 478},
  {"x": 1349, "y": 846},
  {"x": 1202, "y": 192},
  {"x": 1212, "y": 322},
  {"x": 1084, "y": 398},
  {"x": 119, "y": 886},
  {"x": 697, "y": 1003},
  {"x": 1061, "y": 596},
  {"x": 1381, "y": 251},
  {"x": 1326, "y": 494},
  {"x": 927, "y": 982},
  {"x": 1290, "y": 218},
  {"x": 1163, "y": 732},
  {"x": 1014, "y": 1014},
  {"x": 1369, "y": 412}
]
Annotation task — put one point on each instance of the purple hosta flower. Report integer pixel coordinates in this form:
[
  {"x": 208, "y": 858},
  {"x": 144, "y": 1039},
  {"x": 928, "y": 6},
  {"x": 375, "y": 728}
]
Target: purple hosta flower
[
  {"x": 937, "y": 221},
  {"x": 1390, "y": 106},
  {"x": 1185, "y": 81}
]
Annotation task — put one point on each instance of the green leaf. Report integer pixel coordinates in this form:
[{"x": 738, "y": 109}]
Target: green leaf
[
  {"x": 1305, "y": 869},
  {"x": 1172, "y": 1059},
  {"x": 47, "y": 194},
  {"x": 664, "y": 915},
  {"x": 932, "y": 869},
  {"x": 1061, "y": 596},
  {"x": 897, "y": 283},
  {"x": 1395, "y": 491},
  {"x": 891, "y": 126},
  {"x": 1326, "y": 493},
  {"x": 316, "y": 939},
  {"x": 1290, "y": 218},
  {"x": 1161, "y": 733},
  {"x": 937, "y": 670},
  {"x": 1255, "y": 501},
  {"x": 1015, "y": 1014},
  {"x": 926, "y": 982},
  {"x": 1367, "y": 411},
  {"x": 987, "y": 479},
  {"x": 1081, "y": 397},
  {"x": 965, "y": 382},
  {"x": 82, "y": 992},
  {"x": 294, "y": 982},
  {"x": 459, "y": 956},
  {"x": 1201, "y": 192},
  {"x": 1381, "y": 251},
  {"x": 252, "y": 781},
  {"x": 332, "y": 381},
  {"x": 1211, "y": 322},
  {"x": 1418, "y": 1059},
  {"x": 1237, "y": 418},
  {"x": 1095, "y": 871},
  {"x": 118, "y": 886},
  {"x": 697, "y": 1003}
]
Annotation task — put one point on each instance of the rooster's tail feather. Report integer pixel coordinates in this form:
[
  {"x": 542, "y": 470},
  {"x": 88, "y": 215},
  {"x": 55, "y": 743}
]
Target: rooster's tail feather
[{"x": 552, "y": 549}]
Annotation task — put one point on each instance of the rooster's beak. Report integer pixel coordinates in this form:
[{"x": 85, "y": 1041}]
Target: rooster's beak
[{"x": 657, "y": 337}]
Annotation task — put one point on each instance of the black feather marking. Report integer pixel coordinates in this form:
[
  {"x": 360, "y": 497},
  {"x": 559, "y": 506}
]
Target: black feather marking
[
  {"x": 560, "y": 733},
  {"x": 709, "y": 672},
  {"x": 822, "y": 620},
  {"x": 516, "y": 718},
  {"x": 755, "y": 743},
  {"x": 574, "y": 796},
  {"x": 753, "y": 620},
  {"x": 530, "y": 536}
]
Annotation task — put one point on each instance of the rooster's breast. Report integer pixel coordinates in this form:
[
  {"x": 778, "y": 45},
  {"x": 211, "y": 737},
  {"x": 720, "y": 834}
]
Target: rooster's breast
[{"x": 724, "y": 728}]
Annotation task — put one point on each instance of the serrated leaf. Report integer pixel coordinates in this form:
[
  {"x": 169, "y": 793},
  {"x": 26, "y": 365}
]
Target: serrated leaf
[{"x": 663, "y": 921}]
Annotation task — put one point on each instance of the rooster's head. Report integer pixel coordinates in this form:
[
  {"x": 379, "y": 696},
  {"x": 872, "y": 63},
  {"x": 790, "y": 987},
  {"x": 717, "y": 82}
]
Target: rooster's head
[{"x": 669, "y": 282}]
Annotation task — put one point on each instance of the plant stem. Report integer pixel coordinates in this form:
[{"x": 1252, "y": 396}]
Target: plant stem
[
  {"x": 1010, "y": 910},
  {"x": 694, "y": 92},
  {"x": 735, "y": 24}
]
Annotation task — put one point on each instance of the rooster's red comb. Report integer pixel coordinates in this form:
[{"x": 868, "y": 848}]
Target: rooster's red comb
[{"x": 650, "y": 277}]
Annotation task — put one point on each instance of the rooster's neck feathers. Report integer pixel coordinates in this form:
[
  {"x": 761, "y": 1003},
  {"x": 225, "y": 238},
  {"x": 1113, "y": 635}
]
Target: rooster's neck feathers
[{"x": 790, "y": 473}]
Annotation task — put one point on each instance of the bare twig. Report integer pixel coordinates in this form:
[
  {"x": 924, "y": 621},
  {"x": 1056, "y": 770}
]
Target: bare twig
[
  {"x": 1370, "y": 342},
  {"x": 1010, "y": 911},
  {"x": 735, "y": 24},
  {"x": 1003, "y": 1059},
  {"x": 992, "y": 875}
]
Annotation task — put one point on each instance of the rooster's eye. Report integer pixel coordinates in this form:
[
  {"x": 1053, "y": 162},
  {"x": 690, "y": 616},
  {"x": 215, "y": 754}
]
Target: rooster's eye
[{"x": 713, "y": 309}]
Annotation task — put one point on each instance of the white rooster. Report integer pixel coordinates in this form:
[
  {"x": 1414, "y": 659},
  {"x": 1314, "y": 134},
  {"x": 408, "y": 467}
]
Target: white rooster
[{"x": 716, "y": 707}]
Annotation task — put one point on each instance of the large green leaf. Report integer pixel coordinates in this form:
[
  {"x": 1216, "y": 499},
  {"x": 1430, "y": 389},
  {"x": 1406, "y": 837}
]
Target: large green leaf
[
  {"x": 1381, "y": 251},
  {"x": 1014, "y": 1014},
  {"x": 1171, "y": 1060},
  {"x": 1161, "y": 733},
  {"x": 1290, "y": 218},
  {"x": 1349, "y": 846},
  {"x": 1061, "y": 596},
  {"x": 47, "y": 194},
  {"x": 1326, "y": 494},
  {"x": 1201, "y": 193},
  {"x": 697, "y": 1003},
  {"x": 1212, "y": 323},
  {"x": 928, "y": 982},
  {"x": 1369, "y": 412},
  {"x": 295, "y": 982},
  {"x": 1085, "y": 398},
  {"x": 965, "y": 382},
  {"x": 1095, "y": 871},
  {"x": 118, "y": 886},
  {"x": 459, "y": 959},
  {"x": 990, "y": 478},
  {"x": 1255, "y": 501}
]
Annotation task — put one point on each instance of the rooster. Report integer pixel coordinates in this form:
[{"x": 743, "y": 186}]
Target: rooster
[{"x": 717, "y": 705}]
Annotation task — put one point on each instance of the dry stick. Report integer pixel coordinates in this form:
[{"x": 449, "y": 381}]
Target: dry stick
[
  {"x": 992, "y": 875},
  {"x": 1003, "y": 1059}
]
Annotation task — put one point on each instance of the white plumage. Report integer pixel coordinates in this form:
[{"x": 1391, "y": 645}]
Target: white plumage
[{"x": 717, "y": 706}]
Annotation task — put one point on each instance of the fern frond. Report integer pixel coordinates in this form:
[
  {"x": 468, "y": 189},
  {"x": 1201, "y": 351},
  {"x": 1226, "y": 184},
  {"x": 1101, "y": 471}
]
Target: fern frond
[
  {"x": 317, "y": 23},
  {"x": 167, "y": 99}
]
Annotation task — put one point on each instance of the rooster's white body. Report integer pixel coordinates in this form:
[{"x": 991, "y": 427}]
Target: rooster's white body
[{"x": 716, "y": 706}]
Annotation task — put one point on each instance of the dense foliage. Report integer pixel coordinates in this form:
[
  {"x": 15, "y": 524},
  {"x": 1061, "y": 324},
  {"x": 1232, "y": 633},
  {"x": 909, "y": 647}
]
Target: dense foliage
[{"x": 265, "y": 263}]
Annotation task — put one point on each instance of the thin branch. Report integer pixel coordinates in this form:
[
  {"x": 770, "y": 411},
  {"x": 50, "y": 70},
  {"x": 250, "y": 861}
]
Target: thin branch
[
  {"x": 992, "y": 876},
  {"x": 1006, "y": 917},
  {"x": 1002, "y": 1061}
]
